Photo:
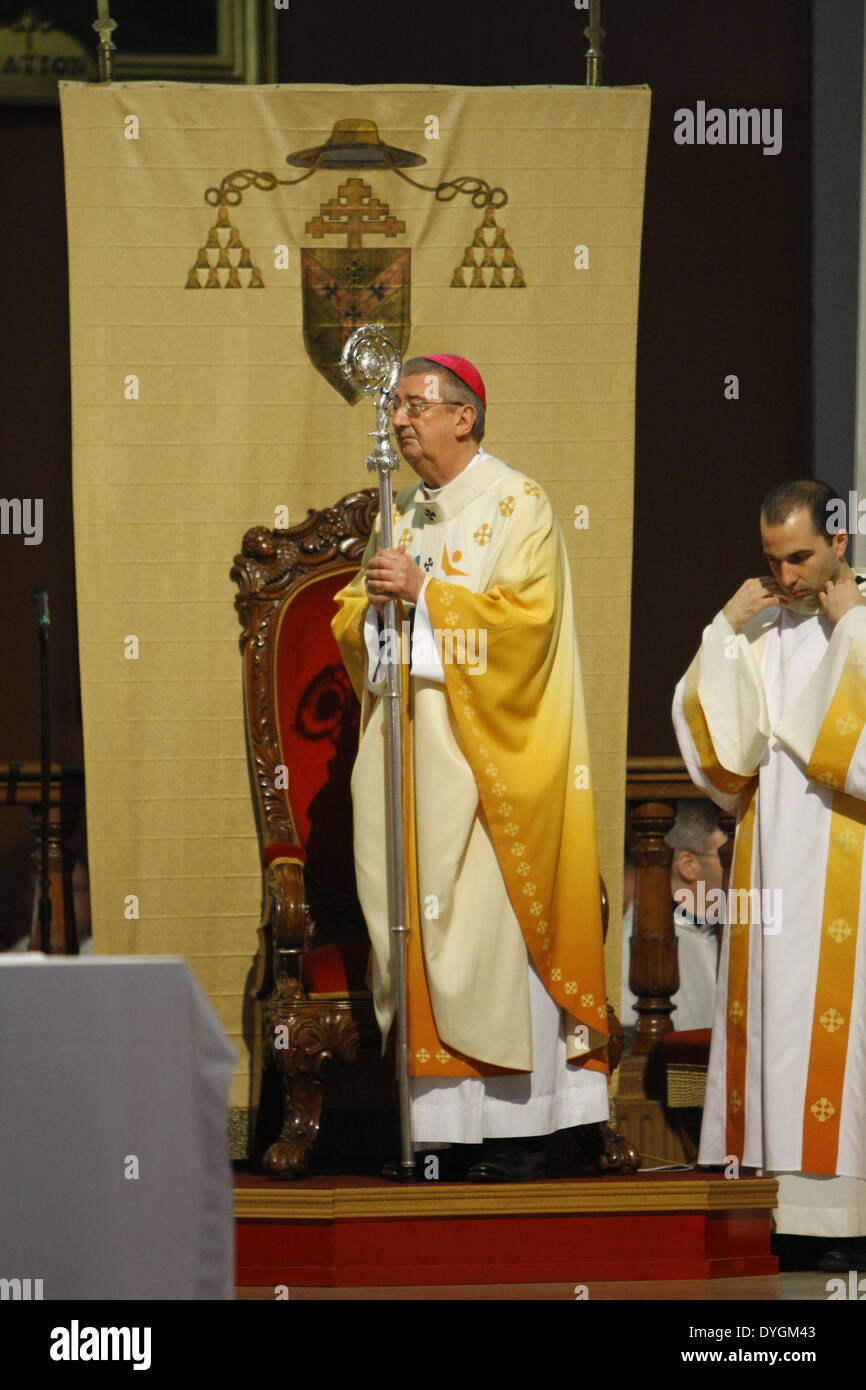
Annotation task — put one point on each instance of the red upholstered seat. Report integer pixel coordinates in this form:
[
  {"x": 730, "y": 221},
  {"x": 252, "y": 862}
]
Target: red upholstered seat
[
  {"x": 692, "y": 1047},
  {"x": 336, "y": 972},
  {"x": 317, "y": 722}
]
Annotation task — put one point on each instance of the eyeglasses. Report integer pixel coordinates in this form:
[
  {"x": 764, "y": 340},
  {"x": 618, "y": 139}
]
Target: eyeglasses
[{"x": 415, "y": 408}]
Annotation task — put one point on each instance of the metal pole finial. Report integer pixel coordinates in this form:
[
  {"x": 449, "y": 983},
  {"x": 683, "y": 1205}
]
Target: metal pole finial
[
  {"x": 371, "y": 361},
  {"x": 104, "y": 26},
  {"x": 594, "y": 33}
]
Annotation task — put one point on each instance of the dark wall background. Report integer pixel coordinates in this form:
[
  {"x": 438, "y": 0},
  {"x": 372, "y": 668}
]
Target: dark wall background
[
  {"x": 837, "y": 94},
  {"x": 725, "y": 289},
  {"x": 34, "y": 462}
]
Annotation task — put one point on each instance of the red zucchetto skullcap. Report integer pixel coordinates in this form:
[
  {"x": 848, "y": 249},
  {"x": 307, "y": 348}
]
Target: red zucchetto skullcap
[{"x": 463, "y": 368}]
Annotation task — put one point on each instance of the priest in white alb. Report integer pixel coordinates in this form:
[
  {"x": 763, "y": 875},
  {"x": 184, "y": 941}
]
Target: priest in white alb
[
  {"x": 770, "y": 720},
  {"x": 507, "y": 1005}
]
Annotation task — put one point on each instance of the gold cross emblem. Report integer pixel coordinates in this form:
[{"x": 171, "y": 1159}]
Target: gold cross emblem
[
  {"x": 832, "y": 1020},
  {"x": 822, "y": 1109},
  {"x": 847, "y": 724},
  {"x": 839, "y": 930}
]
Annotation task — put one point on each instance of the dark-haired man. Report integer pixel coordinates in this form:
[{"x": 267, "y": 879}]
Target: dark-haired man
[
  {"x": 507, "y": 1017},
  {"x": 770, "y": 719}
]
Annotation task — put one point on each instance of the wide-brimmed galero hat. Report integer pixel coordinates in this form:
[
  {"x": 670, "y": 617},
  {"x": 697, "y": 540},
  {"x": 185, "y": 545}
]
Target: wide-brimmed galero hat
[{"x": 354, "y": 144}]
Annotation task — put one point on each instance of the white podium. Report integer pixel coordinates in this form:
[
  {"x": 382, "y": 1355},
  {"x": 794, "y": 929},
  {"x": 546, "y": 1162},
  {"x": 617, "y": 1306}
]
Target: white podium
[{"x": 115, "y": 1181}]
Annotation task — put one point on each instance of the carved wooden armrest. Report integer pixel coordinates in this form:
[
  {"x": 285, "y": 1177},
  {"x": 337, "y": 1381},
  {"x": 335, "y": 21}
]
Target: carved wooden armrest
[{"x": 288, "y": 912}]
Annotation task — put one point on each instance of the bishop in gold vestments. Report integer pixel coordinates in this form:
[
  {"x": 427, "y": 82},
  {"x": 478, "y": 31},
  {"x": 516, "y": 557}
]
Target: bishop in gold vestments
[{"x": 508, "y": 1016}]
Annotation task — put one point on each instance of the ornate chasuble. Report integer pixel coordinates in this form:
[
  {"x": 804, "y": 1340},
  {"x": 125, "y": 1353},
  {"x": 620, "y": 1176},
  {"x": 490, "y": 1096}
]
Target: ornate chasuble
[
  {"x": 770, "y": 723},
  {"x": 499, "y": 814}
]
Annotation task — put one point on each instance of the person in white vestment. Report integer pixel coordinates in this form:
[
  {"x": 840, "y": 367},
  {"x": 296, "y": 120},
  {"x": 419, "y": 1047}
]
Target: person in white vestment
[
  {"x": 696, "y": 872},
  {"x": 438, "y": 419},
  {"x": 770, "y": 720}
]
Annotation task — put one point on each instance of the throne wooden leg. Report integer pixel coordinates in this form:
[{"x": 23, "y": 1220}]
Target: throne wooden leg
[
  {"x": 608, "y": 1151},
  {"x": 301, "y": 1034}
]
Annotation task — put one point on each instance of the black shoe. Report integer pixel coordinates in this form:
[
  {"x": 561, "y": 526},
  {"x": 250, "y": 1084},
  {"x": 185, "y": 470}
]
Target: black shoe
[
  {"x": 797, "y": 1253},
  {"x": 844, "y": 1255},
  {"x": 447, "y": 1168},
  {"x": 508, "y": 1161},
  {"x": 394, "y": 1171}
]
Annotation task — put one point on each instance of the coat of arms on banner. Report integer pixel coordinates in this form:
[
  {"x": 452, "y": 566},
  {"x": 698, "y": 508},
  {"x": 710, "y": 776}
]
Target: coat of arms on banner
[{"x": 345, "y": 286}]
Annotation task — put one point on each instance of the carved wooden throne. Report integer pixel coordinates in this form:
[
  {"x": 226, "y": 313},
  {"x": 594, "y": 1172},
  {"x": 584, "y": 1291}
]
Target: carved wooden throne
[{"x": 302, "y": 734}]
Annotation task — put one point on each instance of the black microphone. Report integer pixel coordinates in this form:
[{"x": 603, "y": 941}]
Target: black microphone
[{"x": 40, "y": 597}]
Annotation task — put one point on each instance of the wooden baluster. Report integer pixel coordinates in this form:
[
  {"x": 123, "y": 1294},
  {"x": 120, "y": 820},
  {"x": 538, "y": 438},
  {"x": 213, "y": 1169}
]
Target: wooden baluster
[
  {"x": 654, "y": 786},
  {"x": 653, "y": 977},
  {"x": 653, "y": 972}
]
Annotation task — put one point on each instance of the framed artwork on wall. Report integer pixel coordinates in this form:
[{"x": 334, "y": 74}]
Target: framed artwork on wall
[{"x": 198, "y": 40}]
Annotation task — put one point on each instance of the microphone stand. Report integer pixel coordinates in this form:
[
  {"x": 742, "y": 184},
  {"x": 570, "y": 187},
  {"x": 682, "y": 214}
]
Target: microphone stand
[{"x": 44, "y": 626}]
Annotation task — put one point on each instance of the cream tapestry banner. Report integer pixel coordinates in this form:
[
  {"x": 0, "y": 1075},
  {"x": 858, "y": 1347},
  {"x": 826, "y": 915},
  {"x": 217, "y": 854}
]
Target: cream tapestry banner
[{"x": 502, "y": 224}]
